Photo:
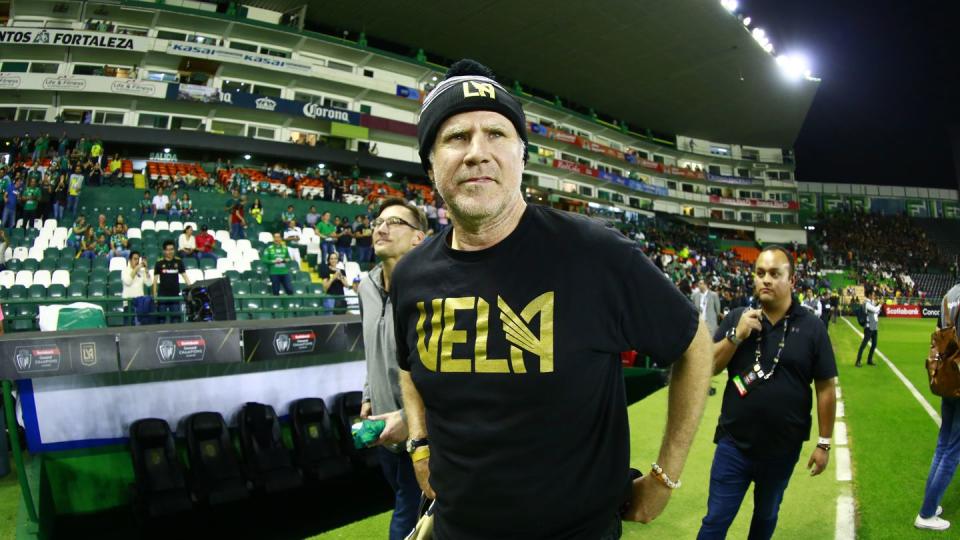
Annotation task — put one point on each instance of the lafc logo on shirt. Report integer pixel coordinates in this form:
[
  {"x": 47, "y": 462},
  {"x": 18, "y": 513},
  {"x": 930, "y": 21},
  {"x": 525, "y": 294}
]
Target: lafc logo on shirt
[
  {"x": 479, "y": 90},
  {"x": 436, "y": 351}
]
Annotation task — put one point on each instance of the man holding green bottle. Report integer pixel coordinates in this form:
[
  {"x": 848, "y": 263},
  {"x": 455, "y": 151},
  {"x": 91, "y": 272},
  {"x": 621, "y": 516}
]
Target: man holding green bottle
[{"x": 277, "y": 259}]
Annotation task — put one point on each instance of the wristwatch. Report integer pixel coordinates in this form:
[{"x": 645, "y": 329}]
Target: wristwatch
[
  {"x": 413, "y": 444},
  {"x": 732, "y": 336}
]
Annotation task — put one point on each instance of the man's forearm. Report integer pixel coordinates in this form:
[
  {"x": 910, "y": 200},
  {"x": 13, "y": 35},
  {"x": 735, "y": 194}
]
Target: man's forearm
[
  {"x": 413, "y": 407},
  {"x": 687, "y": 398},
  {"x": 722, "y": 353},
  {"x": 826, "y": 406}
]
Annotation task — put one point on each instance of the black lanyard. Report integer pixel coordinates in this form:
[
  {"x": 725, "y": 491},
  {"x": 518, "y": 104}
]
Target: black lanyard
[{"x": 776, "y": 359}]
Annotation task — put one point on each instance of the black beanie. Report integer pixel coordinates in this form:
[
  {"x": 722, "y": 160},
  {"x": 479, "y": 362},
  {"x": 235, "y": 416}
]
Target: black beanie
[{"x": 467, "y": 86}]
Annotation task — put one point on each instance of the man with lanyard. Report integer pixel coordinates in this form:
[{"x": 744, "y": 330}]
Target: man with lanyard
[
  {"x": 771, "y": 356},
  {"x": 872, "y": 308},
  {"x": 277, "y": 258},
  {"x": 399, "y": 228},
  {"x": 510, "y": 369},
  {"x": 166, "y": 281}
]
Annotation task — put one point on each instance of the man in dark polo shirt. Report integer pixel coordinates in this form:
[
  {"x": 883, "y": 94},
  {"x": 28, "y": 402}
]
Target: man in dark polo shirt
[
  {"x": 166, "y": 282},
  {"x": 771, "y": 355},
  {"x": 509, "y": 367}
]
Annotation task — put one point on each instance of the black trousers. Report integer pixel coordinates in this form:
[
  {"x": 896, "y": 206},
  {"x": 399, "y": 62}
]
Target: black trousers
[{"x": 870, "y": 335}]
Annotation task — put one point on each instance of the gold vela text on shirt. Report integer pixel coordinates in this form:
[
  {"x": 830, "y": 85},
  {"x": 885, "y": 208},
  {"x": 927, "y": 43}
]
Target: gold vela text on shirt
[{"x": 436, "y": 351}]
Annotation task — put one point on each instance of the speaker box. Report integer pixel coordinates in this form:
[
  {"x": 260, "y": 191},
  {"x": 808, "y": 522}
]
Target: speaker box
[{"x": 210, "y": 300}]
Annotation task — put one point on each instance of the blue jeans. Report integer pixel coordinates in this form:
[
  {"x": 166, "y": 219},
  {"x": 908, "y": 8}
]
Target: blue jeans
[
  {"x": 57, "y": 211},
  {"x": 236, "y": 231},
  {"x": 205, "y": 255},
  {"x": 871, "y": 336},
  {"x": 364, "y": 254},
  {"x": 945, "y": 458},
  {"x": 731, "y": 475},
  {"x": 281, "y": 280},
  {"x": 326, "y": 248},
  {"x": 72, "y": 203},
  {"x": 346, "y": 253},
  {"x": 398, "y": 470},
  {"x": 168, "y": 307},
  {"x": 9, "y": 218}
]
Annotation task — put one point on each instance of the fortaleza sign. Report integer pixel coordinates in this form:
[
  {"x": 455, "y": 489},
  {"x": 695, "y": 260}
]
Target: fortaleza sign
[
  {"x": 72, "y": 38},
  {"x": 902, "y": 311}
]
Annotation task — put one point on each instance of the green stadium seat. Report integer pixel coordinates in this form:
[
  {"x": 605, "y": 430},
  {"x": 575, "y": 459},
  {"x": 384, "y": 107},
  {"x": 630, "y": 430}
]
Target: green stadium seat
[
  {"x": 316, "y": 288},
  {"x": 77, "y": 289},
  {"x": 190, "y": 263},
  {"x": 249, "y": 275},
  {"x": 299, "y": 288},
  {"x": 98, "y": 276},
  {"x": 17, "y": 292},
  {"x": 29, "y": 264},
  {"x": 258, "y": 287},
  {"x": 68, "y": 253},
  {"x": 114, "y": 313},
  {"x": 292, "y": 303},
  {"x": 97, "y": 289},
  {"x": 56, "y": 291},
  {"x": 250, "y": 303},
  {"x": 25, "y": 324},
  {"x": 36, "y": 292},
  {"x": 312, "y": 303},
  {"x": 207, "y": 264},
  {"x": 14, "y": 265},
  {"x": 232, "y": 275},
  {"x": 51, "y": 253},
  {"x": 48, "y": 264},
  {"x": 219, "y": 252},
  {"x": 240, "y": 288},
  {"x": 115, "y": 288},
  {"x": 81, "y": 264},
  {"x": 17, "y": 234},
  {"x": 301, "y": 277},
  {"x": 100, "y": 262},
  {"x": 4, "y": 292},
  {"x": 258, "y": 267},
  {"x": 114, "y": 277}
]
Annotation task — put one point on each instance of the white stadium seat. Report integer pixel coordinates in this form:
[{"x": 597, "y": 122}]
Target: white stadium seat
[
  {"x": 35, "y": 253},
  {"x": 7, "y": 278},
  {"x": 147, "y": 225},
  {"x": 21, "y": 253},
  {"x": 41, "y": 277},
  {"x": 224, "y": 264},
  {"x": 265, "y": 237},
  {"x": 212, "y": 273},
  {"x": 352, "y": 270},
  {"x": 134, "y": 233},
  {"x": 221, "y": 235},
  {"x": 160, "y": 226},
  {"x": 243, "y": 243},
  {"x": 61, "y": 277},
  {"x": 25, "y": 278},
  {"x": 117, "y": 263},
  {"x": 190, "y": 224},
  {"x": 227, "y": 245},
  {"x": 241, "y": 266},
  {"x": 50, "y": 224},
  {"x": 176, "y": 226},
  {"x": 195, "y": 275}
]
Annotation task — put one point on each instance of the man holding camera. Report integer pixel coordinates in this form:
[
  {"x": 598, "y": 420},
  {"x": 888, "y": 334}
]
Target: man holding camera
[{"x": 771, "y": 356}]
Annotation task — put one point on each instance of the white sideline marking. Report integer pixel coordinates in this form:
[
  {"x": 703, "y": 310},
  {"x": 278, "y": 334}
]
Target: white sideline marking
[
  {"x": 840, "y": 433},
  {"x": 913, "y": 389},
  {"x": 846, "y": 524},
  {"x": 844, "y": 474},
  {"x": 839, "y": 392},
  {"x": 841, "y": 411}
]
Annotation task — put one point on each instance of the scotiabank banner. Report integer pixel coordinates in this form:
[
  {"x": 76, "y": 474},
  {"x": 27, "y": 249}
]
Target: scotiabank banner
[{"x": 901, "y": 311}]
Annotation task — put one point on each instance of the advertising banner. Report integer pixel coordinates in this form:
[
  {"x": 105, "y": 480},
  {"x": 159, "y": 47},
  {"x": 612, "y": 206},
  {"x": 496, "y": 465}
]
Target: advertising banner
[
  {"x": 930, "y": 312},
  {"x": 729, "y": 179},
  {"x": 235, "y": 56},
  {"x": 407, "y": 92},
  {"x": 151, "y": 350},
  {"x": 902, "y": 311},
  {"x": 268, "y": 344},
  {"x": 73, "y": 38},
  {"x": 755, "y": 203},
  {"x": 64, "y": 355},
  {"x": 82, "y": 83},
  {"x": 207, "y": 94}
]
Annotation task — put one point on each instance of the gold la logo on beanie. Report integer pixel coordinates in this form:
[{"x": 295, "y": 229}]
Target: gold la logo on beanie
[{"x": 479, "y": 90}]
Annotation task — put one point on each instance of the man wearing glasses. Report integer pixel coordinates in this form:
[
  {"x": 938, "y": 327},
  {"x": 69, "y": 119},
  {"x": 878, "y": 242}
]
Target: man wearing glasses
[{"x": 398, "y": 228}]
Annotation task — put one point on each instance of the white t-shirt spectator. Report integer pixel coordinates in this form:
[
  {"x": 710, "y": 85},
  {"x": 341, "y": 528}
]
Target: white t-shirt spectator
[
  {"x": 292, "y": 233},
  {"x": 133, "y": 282},
  {"x": 161, "y": 202},
  {"x": 187, "y": 243}
]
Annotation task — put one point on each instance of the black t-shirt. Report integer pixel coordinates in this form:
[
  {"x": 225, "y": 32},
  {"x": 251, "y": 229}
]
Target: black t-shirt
[
  {"x": 169, "y": 272},
  {"x": 524, "y": 393},
  {"x": 346, "y": 236},
  {"x": 336, "y": 287},
  {"x": 774, "y": 417},
  {"x": 367, "y": 240}
]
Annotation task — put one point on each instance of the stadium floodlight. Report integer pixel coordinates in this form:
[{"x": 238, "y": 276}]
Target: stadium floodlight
[
  {"x": 730, "y": 5},
  {"x": 322, "y": 165},
  {"x": 389, "y": 174},
  {"x": 246, "y": 156},
  {"x": 758, "y": 33},
  {"x": 794, "y": 66},
  {"x": 747, "y": 21},
  {"x": 166, "y": 150},
  {"x": 768, "y": 47}
]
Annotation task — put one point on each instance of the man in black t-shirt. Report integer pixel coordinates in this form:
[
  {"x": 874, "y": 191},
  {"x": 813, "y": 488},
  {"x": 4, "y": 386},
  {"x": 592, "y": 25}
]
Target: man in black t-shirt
[
  {"x": 771, "y": 355},
  {"x": 510, "y": 367},
  {"x": 166, "y": 282}
]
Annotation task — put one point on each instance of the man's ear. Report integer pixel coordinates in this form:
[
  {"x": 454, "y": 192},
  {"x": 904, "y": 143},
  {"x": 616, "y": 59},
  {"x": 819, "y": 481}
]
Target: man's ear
[{"x": 430, "y": 175}]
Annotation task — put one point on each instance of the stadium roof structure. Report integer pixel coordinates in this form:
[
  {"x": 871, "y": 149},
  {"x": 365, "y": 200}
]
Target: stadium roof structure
[{"x": 683, "y": 66}]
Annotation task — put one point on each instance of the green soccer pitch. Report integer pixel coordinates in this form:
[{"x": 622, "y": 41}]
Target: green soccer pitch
[{"x": 891, "y": 440}]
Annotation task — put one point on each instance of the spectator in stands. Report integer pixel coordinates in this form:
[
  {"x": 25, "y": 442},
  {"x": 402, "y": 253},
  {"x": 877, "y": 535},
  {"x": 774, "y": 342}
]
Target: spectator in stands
[
  {"x": 231, "y": 202},
  {"x": 102, "y": 248},
  {"x": 287, "y": 216},
  {"x": 74, "y": 186},
  {"x": 119, "y": 245},
  {"x": 312, "y": 217},
  {"x": 95, "y": 175},
  {"x": 77, "y": 231},
  {"x": 256, "y": 210},
  {"x": 946, "y": 456},
  {"x": 167, "y": 274},
  {"x": 237, "y": 222},
  {"x": 96, "y": 152},
  {"x": 102, "y": 228},
  {"x": 174, "y": 208},
  {"x": 205, "y": 243},
  {"x": 24, "y": 147},
  {"x": 334, "y": 279},
  {"x": 4, "y": 244},
  {"x": 812, "y": 303},
  {"x": 45, "y": 210},
  {"x": 146, "y": 205},
  {"x": 872, "y": 308},
  {"x": 160, "y": 203},
  {"x": 326, "y": 232},
  {"x": 115, "y": 169},
  {"x": 120, "y": 225},
  {"x": 187, "y": 243},
  {"x": 442, "y": 220},
  {"x": 707, "y": 303},
  {"x": 431, "y": 211},
  {"x": 134, "y": 278},
  {"x": 62, "y": 145},
  {"x": 40, "y": 147},
  {"x": 396, "y": 236},
  {"x": 186, "y": 205},
  {"x": 10, "y": 197},
  {"x": 31, "y": 200},
  {"x": 344, "y": 237},
  {"x": 765, "y": 416},
  {"x": 277, "y": 258},
  {"x": 88, "y": 244},
  {"x": 364, "y": 240}
]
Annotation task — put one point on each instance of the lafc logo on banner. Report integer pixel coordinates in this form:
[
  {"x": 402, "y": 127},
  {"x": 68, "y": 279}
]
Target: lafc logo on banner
[
  {"x": 436, "y": 352},
  {"x": 479, "y": 90},
  {"x": 88, "y": 354}
]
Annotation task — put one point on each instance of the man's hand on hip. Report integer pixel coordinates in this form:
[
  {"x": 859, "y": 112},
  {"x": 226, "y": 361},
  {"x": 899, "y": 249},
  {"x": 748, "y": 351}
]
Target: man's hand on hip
[
  {"x": 650, "y": 497},
  {"x": 395, "y": 432},
  {"x": 422, "y": 470}
]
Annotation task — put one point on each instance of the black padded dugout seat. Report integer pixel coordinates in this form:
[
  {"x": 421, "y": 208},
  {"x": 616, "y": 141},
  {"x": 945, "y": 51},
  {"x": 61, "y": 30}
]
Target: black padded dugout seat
[
  {"x": 316, "y": 440},
  {"x": 267, "y": 462},
  {"x": 346, "y": 408},
  {"x": 214, "y": 471},
  {"x": 160, "y": 487}
]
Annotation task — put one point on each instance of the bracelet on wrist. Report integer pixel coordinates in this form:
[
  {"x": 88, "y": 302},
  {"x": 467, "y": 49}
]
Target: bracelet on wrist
[
  {"x": 657, "y": 472},
  {"x": 824, "y": 447},
  {"x": 420, "y": 454}
]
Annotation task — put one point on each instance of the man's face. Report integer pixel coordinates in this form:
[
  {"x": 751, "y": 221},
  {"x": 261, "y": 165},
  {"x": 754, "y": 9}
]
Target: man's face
[
  {"x": 168, "y": 251},
  {"x": 771, "y": 279},
  {"x": 396, "y": 240},
  {"x": 476, "y": 163},
  {"x": 135, "y": 260},
  {"x": 277, "y": 239},
  {"x": 702, "y": 285},
  {"x": 333, "y": 259},
  {"x": 325, "y": 217}
]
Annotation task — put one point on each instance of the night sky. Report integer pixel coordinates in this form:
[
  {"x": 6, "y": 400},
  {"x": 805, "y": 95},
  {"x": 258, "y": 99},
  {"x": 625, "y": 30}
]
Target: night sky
[{"x": 890, "y": 90}]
